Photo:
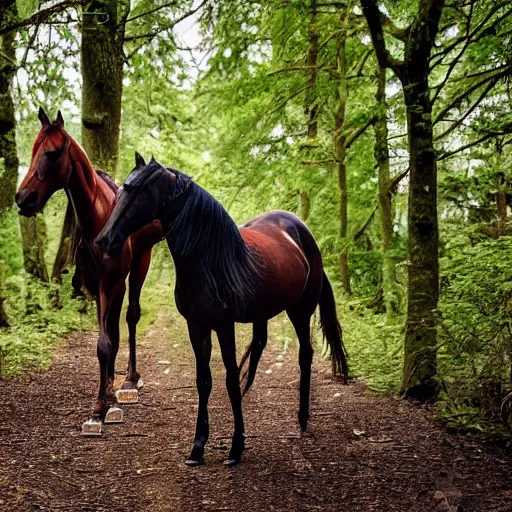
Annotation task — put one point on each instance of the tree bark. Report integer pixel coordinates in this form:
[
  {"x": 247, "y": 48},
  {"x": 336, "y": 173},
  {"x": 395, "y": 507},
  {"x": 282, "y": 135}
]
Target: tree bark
[
  {"x": 340, "y": 149},
  {"x": 381, "y": 151},
  {"x": 102, "y": 61},
  {"x": 420, "y": 366},
  {"x": 8, "y": 155}
]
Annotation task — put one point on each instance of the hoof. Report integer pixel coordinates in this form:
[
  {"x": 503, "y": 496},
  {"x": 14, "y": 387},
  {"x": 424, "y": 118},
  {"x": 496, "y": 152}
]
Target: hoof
[
  {"x": 194, "y": 463},
  {"x": 232, "y": 461},
  {"x": 92, "y": 427},
  {"x": 303, "y": 420},
  {"x": 127, "y": 396},
  {"x": 114, "y": 415}
]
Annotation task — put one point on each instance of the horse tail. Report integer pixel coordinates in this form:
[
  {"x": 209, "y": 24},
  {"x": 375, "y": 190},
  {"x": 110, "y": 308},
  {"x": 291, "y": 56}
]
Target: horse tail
[{"x": 331, "y": 330}]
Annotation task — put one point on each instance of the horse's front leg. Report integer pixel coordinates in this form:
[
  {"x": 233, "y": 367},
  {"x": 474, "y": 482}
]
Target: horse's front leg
[
  {"x": 138, "y": 272},
  {"x": 111, "y": 299},
  {"x": 201, "y": 339},
  {"x": 226, "y": 337}
]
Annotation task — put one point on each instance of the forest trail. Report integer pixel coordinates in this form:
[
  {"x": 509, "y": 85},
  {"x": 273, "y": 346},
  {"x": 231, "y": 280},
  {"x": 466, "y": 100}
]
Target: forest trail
[{"x": 362, "y": 453}]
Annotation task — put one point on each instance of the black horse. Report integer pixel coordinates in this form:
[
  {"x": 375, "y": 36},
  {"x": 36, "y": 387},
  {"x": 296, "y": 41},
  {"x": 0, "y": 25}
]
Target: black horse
[{"x": 226, "y": 275}]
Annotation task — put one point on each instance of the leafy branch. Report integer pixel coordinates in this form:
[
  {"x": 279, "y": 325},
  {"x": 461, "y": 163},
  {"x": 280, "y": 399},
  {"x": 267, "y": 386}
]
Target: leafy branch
[{"x": 42, "y": 15}]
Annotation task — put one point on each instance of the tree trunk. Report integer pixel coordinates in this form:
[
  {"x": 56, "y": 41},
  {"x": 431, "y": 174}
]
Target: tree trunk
[
  {"x": 340, "y": 149},
  {"x": 8, "y": 154},
  {"x": 310, "y": 103},
  {"x": 501, "y": 196},
  {"x": 33, "y": 237},
  {"x": 423, "y": 271},
  {"x": 64, "y": 256},
  {"x": 501, "y": 203},
  {"x": 4, "y": 319},
  {"x": 305, "y": 205},
  {"x": 103, "y": 30},
  {"x": 420, "y": 344},
  {"x": 381, "y": 151}
]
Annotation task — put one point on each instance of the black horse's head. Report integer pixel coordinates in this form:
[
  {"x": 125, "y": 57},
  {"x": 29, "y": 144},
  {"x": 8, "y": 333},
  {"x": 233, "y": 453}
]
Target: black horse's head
[{"x": 147, "y": 188}]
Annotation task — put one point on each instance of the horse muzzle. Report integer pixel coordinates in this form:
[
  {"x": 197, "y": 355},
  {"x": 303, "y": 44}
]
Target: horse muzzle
[{"x": 27, "y": 202}]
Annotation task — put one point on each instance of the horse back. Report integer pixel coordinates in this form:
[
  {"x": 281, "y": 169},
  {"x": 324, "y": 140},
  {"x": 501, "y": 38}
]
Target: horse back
[{"x": 288, "y": 254}]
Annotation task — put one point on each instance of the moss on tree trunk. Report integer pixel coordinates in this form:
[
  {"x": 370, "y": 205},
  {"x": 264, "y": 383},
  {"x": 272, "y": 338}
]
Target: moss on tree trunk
[
  {"x": 423, "y": 270},
  {"x": 8, "y": 155}
]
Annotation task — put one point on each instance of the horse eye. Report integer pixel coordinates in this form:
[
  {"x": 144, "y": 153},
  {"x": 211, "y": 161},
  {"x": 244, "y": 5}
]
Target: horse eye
[
  {"x": 54, "y": 155},
  {"x": 127, "y": 187}
]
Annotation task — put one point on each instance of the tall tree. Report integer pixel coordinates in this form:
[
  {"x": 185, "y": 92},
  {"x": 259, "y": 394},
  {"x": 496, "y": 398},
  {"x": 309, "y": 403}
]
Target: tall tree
[
  {"x": 340, "y": 146},
  {"x": 385, "y": 196},
  {"x": 103, "y": 29},
  {"x": 8, "y": 155},
  {"x": 310, "y": 102},
  {"x": 32, "y": 229},
  {"x": 420, "y": 346}
]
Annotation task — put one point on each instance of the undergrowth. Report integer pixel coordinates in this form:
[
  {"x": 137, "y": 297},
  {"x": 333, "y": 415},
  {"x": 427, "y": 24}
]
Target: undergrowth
[{"x": 36, "y": 324}]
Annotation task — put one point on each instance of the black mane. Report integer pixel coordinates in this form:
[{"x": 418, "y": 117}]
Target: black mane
[{"x": 200, "y": 230}]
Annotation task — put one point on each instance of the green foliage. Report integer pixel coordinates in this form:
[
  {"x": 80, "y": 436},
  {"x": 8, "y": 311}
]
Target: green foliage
[
  {"x": 475, "y": 355},
  {"x": 29, "y": 343}
]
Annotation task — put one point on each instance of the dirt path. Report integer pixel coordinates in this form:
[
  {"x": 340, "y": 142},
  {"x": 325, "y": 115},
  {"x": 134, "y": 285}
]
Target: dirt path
[{"x": 362, "y": 453}]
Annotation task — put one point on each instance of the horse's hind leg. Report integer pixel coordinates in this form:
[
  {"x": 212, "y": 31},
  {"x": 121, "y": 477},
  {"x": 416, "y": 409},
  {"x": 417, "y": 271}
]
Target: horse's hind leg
[
  {"x": 136, "y": 279},
  {"x": 301, "y": 321},
  {"x": 258, "y": 344}
]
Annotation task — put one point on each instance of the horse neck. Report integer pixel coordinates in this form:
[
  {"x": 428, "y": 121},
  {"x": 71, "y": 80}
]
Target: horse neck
[
  {"x": 210, "y": 252},
  {"x": 91, "y": 197}
]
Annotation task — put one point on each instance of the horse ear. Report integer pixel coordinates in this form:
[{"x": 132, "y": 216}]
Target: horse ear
[
  {"x": 60, "y": 120},
  {"x": 43, "y": 117},
  {"x": 152, "y": 158},
  {"x": 139, "y": 160}
]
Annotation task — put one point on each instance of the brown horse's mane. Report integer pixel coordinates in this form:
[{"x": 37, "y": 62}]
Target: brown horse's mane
[{"x": 107, "y": 179}]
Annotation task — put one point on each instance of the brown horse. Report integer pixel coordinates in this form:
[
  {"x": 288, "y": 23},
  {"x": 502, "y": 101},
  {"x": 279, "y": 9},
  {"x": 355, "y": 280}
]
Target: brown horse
[
  {"x": 58, "y": 162},
  {"x": 226, "y": 275}
]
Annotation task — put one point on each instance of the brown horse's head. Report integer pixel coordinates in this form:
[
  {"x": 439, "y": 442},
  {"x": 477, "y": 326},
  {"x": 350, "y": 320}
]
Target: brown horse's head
[{"x": 50, "y": 167}]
